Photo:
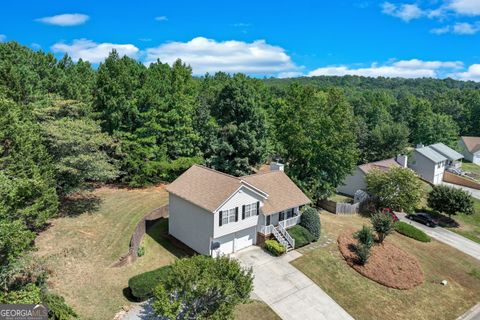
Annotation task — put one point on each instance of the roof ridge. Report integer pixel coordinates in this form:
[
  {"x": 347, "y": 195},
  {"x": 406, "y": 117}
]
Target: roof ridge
[
  {"x": 260, "y": 173},
  {"x": 217, "y": 171}
]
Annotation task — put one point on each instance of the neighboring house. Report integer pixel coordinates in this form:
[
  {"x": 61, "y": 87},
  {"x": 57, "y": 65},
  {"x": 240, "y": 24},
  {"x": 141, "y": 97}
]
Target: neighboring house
[
  {"x": 216, "y": 213},
  {"x": 453, "y": 157},
  {"x": 356, "y": 181},
  {"x": 471, "y": 148},
  {"x": 428, "y": 163}
]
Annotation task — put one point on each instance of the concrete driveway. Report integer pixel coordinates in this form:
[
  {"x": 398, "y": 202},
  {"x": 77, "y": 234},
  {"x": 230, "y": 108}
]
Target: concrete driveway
[
  {"x": 290, "y": 293},
  {"x": 448, "y": 237},
  {"x": 474, "y": 192}
]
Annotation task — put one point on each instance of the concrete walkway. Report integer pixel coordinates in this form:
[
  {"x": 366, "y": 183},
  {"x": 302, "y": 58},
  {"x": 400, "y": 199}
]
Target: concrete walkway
[
  {"x": 474, "y": 192},
  {"x": 290, "y": 293},
  {"x": 443, "y": 235},
  {"x": 472, "y": 314}
]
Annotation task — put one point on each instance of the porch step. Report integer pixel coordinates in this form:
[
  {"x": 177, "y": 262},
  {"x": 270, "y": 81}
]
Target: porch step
[{"x": 281, "y": 239}]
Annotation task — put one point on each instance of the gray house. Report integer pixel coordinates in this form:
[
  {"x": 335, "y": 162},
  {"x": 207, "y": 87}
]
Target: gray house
[
  {"x": 429, "y": 164},
  {"x": 471, "y": 148},
  {"x": 215, "y": 213},
  {"x": 453, "y": 157}
]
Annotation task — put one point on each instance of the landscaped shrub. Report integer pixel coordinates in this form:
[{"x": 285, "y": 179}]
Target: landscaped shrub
[
  {"x": 301, "y": 235},
  {"x": 311, "y": 221},
  {"x": 142, "y": 285},
  {"x": 57, "y": 308},
  {"x": 365, "y": 236},
  {"x": 412, "y": 232},
  {"x": 363, "y": 253},
  {"x": 274, "y": 247},
  {"x": 382, "y": 224}
]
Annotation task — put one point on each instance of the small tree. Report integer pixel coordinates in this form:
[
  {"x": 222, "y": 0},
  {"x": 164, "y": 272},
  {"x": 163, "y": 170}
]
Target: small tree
[
  {"x": 382, "y": 224},
  {"x": 365, "y": 236},
  {"x": 450, "y": 200},
  {"x": 311, "y": 221},
  {"x": 363, "y": 253},
  {"x": 398, "y": 189},
  {"x": 202, "y": 288}
]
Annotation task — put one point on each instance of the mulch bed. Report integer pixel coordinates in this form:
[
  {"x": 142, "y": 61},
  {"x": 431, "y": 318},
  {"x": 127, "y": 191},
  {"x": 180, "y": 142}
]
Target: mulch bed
[{"x": 388, "y": 265}]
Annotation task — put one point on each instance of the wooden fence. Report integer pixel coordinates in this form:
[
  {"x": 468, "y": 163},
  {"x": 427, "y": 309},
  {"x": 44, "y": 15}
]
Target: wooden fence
[
  {"x": 462, "y": 181},
  {"x": 138, "y": 234},
  {"x": 340, "y": 207}
]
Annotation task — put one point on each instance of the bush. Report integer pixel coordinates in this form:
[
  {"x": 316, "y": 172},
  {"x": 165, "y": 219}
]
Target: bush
[
  {"x": 301, "y": 235},
  {"x": 57, "y": 308},
  {"x": 310, "y": 220},
  {"x": 365, "y": 236},
  {"x": 363, "y": 253},
  {"x": 29, "y": 294},
  {"x": 274, "y": 247},
  {"x": 141, "y": 251},
  {"x": 411, "y": 232},
  {"x": 450, "y": 200},
  {"x": 382, "y": 224},
  {"x": 142, "y": 285}
]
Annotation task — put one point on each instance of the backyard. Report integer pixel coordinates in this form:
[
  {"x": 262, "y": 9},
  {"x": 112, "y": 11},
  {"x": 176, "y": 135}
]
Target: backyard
[
  {"x": 365, "y": 299},
  {"x": 473, "y": 168},
  {"x": 80, "y": 248}
]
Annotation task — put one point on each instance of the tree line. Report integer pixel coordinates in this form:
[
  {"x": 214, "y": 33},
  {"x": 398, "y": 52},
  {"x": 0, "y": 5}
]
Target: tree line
[{"x": 65, "y": 125}]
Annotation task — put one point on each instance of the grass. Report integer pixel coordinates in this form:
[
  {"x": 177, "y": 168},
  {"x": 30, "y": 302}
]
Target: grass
[
  {"x": 365, "y": 299},
  {"x": 469, "y": 224},
  {"x": 473, "y": 168},
  {"x": 255, "y": 310},
  {"x": 340, "y": 198},
  {"x": 79, "y": 250}
]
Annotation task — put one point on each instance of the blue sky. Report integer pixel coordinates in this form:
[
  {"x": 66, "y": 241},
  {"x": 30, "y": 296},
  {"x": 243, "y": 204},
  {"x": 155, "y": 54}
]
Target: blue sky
[{"x": 433, "y": 38}]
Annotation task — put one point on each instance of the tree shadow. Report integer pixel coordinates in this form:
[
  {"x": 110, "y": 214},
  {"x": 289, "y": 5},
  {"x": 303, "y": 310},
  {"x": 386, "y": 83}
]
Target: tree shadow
[
  {"x": 78, "y": 204},
  {"x": 127, "y": 293}
]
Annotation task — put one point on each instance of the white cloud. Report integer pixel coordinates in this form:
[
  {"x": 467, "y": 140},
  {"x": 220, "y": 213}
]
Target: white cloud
[
  {"x": 413, "y": 68},
  {"x": 92, "y": 51},
  {"x": 3, "y": 37},
  {"x": 465, "y": 7},
  {"x": 441, "y": 30},
  {"x": 208, "y": 55},
  {"x": 290, "y": 74},
  {"x": 461, "y": 28},
  {"x": 161, "y": 18},
  {"x": 472, "y": 73},
  {"x": 406, "y": 12},
  {"x": 65, "y": 20}
]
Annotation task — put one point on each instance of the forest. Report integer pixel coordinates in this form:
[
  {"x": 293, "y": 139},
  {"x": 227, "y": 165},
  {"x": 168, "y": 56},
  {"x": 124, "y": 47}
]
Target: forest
[{"x": 66, "y": 126}]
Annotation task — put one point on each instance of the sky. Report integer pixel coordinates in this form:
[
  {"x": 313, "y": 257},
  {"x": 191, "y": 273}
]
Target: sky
[{"x": 411, "y": 39}]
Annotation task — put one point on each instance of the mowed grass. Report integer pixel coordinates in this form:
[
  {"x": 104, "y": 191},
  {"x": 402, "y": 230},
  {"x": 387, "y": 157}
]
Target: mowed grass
[
  {"x": 255, "y": 309},
  {"x": 469, "y": 224},
  {"x": 365, "y": 299},
  {"x": 79, "y": 250},
  {"x": 471, "y": 167}
]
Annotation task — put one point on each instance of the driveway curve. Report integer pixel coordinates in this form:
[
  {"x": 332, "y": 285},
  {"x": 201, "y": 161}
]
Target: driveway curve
[{"x": 290, "y": 293}]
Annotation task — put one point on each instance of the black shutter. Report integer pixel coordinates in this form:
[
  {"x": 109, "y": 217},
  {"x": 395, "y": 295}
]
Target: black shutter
[
  {"x": 268, "y": 220},
  {"x": 258, "y": 208},
  {"x": 243, "y": 212},
  {"x": 220, "y": 217},
  {"x": 236, "y": 214},
  {"x": 281, "y": 216}
]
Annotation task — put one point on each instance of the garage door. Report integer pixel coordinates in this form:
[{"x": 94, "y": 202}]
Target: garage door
[
  {"x": 226, "y": 245},
  {"x": 245, "y": 238},
  {"x": 438, "y": 179}
]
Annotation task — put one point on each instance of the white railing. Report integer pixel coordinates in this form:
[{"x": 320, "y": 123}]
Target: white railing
[
  {"x": 287, "y": 236},
  {"x": 266, "y": 230},
  {"x": 289, "y": 222}
]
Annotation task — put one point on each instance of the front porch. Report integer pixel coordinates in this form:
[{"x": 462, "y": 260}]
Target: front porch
[{"x": 276, "y": 225}]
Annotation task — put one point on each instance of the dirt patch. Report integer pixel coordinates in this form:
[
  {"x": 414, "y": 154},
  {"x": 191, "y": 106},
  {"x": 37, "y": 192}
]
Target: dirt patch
[{"x": 388, "y": 265}]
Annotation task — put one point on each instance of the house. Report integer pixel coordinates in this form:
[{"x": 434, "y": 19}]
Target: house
[
  {"x": 215, "y": 213},
  {"x": 428, "y": 163},
  {"x": 471, "y": 148},
  {"x": 453, "y": 157},
  {"x": 356, "y": 181}
]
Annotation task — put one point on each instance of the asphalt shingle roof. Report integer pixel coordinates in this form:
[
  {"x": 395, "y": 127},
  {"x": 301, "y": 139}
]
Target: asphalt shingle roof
[
  {"x": 472, "y": 143},
  {"x": 446, "y": 151},
  {"x": 431, "y": 154}
]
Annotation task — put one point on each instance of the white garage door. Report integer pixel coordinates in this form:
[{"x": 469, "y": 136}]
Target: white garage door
[
  {"x": 245, "y": 238},
  {"x": 438, "y": 179},
  {"x": 226, "y": 245}
]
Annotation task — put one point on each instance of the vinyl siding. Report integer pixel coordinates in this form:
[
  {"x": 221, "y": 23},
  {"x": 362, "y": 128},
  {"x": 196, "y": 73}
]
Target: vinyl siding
[
  {"x": 426, "y": 168},
  {"x": 352, "y": 183}
]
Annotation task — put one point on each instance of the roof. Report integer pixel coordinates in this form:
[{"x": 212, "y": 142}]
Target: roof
[
  {"x": 283, "y": 193},
  {"x": 472, "y": 144},
  {"x": 383, "y": 165},
  {"x": 209, "y": 189},
  {"x": 446, "y": 151},
  {"x": 431, "y": 154}
]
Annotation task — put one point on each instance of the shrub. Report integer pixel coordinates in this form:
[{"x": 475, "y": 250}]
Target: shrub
[
  {"x": 29, "y": 294},
  {"x": 141, "y": 251},
  {"x": 411, "y": 232},
  {"x": 202, "y": 287},
  {"x": 382, "y": 224},
  {"x": 450, "y": 200},
  {"x": 274, "y": 247},
  {"x": 142, "y": 285},
  {"x": 365, "y": 236},
  {"x": 310, "y": 220},
  {"x": 301, "y": 235},
  {"x": 363, "y": 253},
  {"x": 57, "y": 308}
]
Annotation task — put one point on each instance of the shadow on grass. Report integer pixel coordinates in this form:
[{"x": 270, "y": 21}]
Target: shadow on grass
[
  {"x": 158, "y": 231},
  {"x": 78, "y": 204},
  {"x": 127, "y": 293}
]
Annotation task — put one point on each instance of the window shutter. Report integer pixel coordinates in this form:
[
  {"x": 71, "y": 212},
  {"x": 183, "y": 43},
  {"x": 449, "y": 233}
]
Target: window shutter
[
  {"x": 258, "y": 208},
  {"x": 236, "y": 214},
  {"x": 268, "y": 220},
  {"x": 243, "y": 212},
  {"x": 220, "y": 217}
]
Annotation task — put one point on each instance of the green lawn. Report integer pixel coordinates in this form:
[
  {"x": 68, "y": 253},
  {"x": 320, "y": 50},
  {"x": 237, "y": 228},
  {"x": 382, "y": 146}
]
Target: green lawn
[
  {"x": 340, "y": 198},
  {"x": 366, "y": 299},
  {"x": 473, "y": 168},
  {"x": 255, "y": 309},
  {"x": 469, "y": 224}
]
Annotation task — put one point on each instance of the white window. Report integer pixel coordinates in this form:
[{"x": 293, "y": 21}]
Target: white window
[
  {"x": 228, "y": 216},
  {"x": 250, "y": 210}
]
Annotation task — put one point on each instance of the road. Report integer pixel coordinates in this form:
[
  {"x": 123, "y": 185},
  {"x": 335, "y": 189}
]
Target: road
[
  {"x": 290, "y": 293},
  {"x": 448, "y": 237},
  {"x": 474, "y": 192}
]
